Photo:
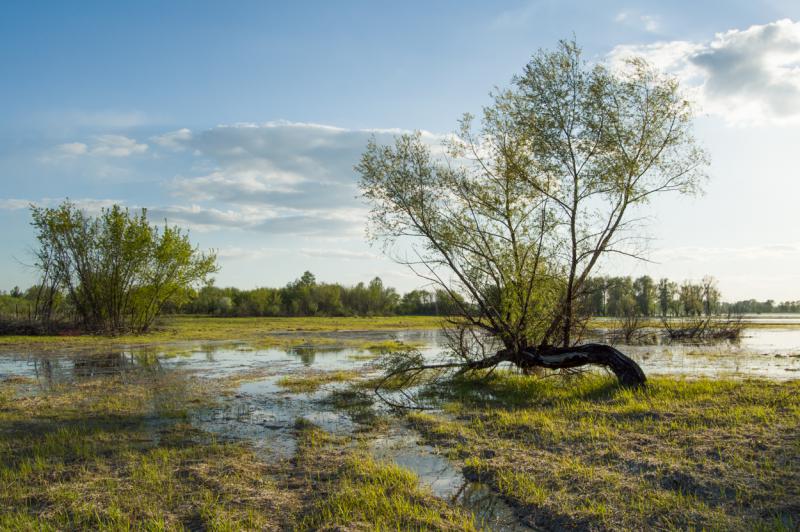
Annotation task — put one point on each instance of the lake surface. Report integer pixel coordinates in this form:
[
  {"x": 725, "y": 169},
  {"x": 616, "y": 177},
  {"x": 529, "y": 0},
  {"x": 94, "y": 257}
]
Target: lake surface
[{"x": 263, "y": 413}]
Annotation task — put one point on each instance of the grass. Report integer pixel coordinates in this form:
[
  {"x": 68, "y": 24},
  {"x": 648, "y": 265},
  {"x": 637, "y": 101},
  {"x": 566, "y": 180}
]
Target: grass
[
  {"x": 355, "y": 492},
  {"x": 699, "y": 454},
  {"x": 372, "y": 348},
  {"x": 310, "y": 382},
  {"x": 110, "y": 454},
  {"x": 267, "y": 331},
  {"x": 118, "y": 453},
  {"x": 271, "y": 331}
]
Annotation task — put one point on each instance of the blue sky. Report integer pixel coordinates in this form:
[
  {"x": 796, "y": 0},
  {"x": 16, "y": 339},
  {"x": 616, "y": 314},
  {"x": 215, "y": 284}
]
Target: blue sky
[{"x": 242, "y": 120}]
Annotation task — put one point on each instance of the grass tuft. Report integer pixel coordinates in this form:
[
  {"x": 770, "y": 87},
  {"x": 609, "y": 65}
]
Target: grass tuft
[{"x": 311, "y": 382}]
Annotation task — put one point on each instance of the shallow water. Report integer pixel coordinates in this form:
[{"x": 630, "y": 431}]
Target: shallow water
[
  {"x": 265, "y": 414},
  {"x": 770, "y": 353}
]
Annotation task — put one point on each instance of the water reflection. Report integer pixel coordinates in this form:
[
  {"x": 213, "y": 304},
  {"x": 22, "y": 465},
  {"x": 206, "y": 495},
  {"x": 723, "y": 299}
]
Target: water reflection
[
  {"x": 49, "y": 370},
  {"x": 307, "y": 355},
  {"x": 85, "y": 366}
]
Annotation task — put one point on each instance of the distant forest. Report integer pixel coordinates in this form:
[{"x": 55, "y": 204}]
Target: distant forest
[{"x": 603, "y": 296}]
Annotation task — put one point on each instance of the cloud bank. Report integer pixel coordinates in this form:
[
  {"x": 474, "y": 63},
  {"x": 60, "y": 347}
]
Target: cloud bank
[
  {"x": 101, "y": 146},
  {"x": 748, "y": 77},
  {"x": 278, "y": 177}
]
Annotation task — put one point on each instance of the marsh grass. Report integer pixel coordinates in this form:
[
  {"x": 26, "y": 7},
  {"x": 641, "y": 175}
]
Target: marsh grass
[
  {"x": 266, "y": 330},
  {"x": 356, "y": 492},
  {"x": 702, "y": 454},
  {"x": 360, "y": 406},
  {"x": 271, "y": 331},
  {"x": 115, "y": 454},
  {"x": 310, "y": 382}
]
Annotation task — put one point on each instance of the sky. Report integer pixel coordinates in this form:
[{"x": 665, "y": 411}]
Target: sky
[{"x": 242, "y": 121}]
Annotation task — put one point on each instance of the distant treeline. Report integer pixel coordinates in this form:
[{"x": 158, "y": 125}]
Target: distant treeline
[
  {"x": 751, "y": 306},
  {"x": 644, "y": 296},
  {"x": 602, "y": 296},
  {"x": 307, "y": 297}
]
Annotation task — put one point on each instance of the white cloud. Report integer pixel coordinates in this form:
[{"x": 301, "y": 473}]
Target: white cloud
[
  {"x": 90, "y": 205},
  {"x": 281, "y": 178},
  {"x": 13, "y": 204},
  {"x": 749, "y": 76},
  {"x": 72, "y": 148},
  {"x": 301, "y": 173},
  {"x": 345, "y": 222},
  {"x": 649, "y": 23},
  {"x": 116, "y": 146},
  {"x": 238, "y": 182},
  {"x": 338, "y": 254},
  {"x": 209, "y": 218},
  {"x": 100, "y": 146},
  {"x": 248, "y": 253},
  {"x": 289, "y": 163},
  {"x": 174, "y": 140}
]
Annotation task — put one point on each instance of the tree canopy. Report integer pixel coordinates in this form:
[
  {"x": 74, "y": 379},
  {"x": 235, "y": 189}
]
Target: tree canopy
[{"x": 517, "y": 212}]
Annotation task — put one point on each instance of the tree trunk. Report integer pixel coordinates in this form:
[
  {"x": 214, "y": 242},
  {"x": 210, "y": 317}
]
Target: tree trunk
[{"x": 625, "y": 368}]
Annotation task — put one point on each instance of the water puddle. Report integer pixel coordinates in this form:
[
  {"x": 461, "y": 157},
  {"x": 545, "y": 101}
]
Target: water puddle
[
  {"x": 403, "y": 447},
  {"x": 265, "y": 414}
]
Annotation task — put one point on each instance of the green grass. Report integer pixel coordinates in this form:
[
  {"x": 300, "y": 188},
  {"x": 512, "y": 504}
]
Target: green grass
[
  {"x": 110, "y": 454},
  {"x": 310, "y": 382},
  {"x": 194, "y": 328},
  {"x": 355, "y": 492},
  {"x": 203, "y": 328},
  {"x": 583, "y": 453},
  {"x": 117, "y": 453}
]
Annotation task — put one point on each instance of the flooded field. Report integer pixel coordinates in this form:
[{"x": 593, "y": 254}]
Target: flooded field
[{"x": 262, "y": 409}]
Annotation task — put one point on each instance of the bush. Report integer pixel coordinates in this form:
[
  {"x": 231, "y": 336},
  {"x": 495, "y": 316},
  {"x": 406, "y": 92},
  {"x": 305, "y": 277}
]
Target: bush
[{"x": 117, "y": 270}]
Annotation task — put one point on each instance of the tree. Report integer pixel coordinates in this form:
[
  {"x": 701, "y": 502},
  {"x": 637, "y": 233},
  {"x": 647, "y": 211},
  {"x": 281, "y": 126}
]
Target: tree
[
  {"x": 596, "y": 296},
  {"x": 417, "y": 302},
  {"x": 666, "y": 294},
  {"x": 645, "y": 291},
  {"x": 622, "y": 299},
  {"x": 691, "y": 298},
  {"x": 710, "y": 295},
  {"x": 519, "y": 213},
  {"x": 117, "y": 269}
]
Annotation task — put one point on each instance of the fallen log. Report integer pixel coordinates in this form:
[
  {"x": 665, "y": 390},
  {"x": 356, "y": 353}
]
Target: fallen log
[{"x": 627, "y": 371}]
